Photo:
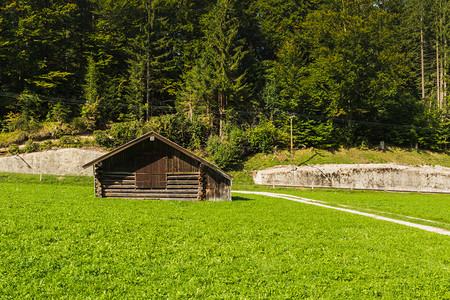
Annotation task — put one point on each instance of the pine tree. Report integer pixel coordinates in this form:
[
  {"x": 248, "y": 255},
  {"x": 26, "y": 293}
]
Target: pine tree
[
  {"x": 195, "y": 96},
  {"x": 91, "y": 110},
  {"x": 224, "y": 52},
  {"x": 151, "y": 61}
]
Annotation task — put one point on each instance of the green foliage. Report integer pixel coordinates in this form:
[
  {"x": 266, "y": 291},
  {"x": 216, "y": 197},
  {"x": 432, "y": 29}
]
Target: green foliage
[
  {"x": 13, "y": 149},
  {"x": 29, "y": 110},
  {"x": 91, "y": 112},
  {"x": 195, "y": 97},
  {"x": 198, "y": 132},
  {"x": 78, "y": 125},
  {"x": 265, "y": 136},
  {"x": 102, "y": 139},
  {"x": 59, "y": 113},
  {"x": 14, "y": 121},
  {"x": 9, "y": 138},
  {"x": 30, "y": 106},
  {"x": 224, "y": 53},
  {"x": 119, "y": 133},
  {"x": 227, "y": 152},
  {"x": 349, "y": 69},
  {"x": 313, "y": 133},
  {"x": 119, "y": 248},
  {"x": 46, "y": 145},
  {"x": 30, "y": 146},
  {"x": 68, "y": 141}
]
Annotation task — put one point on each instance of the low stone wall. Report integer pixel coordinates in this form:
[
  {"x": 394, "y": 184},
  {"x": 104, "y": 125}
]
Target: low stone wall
[
  {"x": 385, "y": 177},
  {"x": 57, "y": 162}
]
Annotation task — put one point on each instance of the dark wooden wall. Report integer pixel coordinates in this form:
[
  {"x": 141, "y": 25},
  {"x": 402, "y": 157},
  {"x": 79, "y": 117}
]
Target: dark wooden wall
[
  {"x": 217, "y": 186},
  {"x": 155, "y": 170}
]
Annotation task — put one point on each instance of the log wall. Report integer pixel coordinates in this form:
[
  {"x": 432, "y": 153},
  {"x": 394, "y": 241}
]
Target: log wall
[{"x": 120, "y": 176}]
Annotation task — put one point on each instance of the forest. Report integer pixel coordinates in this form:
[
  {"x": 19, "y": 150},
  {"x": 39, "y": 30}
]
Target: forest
[{"x": 228, "y": 77}]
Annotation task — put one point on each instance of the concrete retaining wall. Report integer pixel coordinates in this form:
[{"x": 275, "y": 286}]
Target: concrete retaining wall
[
  {"x": 387, "y": 177},
  {"x": 57, "y": 162}
]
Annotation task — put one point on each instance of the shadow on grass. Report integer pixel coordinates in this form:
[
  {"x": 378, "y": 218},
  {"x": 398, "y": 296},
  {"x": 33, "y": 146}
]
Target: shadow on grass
[{"x": 238, "y": 198}]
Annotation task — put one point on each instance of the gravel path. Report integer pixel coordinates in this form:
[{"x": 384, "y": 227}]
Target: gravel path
[{"x": 321, "y": 204}]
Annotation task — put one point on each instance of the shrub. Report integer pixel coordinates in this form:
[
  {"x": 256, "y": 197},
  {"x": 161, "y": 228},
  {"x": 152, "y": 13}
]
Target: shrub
[
  {"x": 78, "y": 125},
  {"x": 228, "y": 152},
  {"x": 13, "y": 149},
  {"x": 15, "y": 121},
  {"x": 103, "y": 139},
  {"x": 173, "y": 126},
  {"x": 46, "y": 145},
  {"x": 264, "y": 137},
  {"x": 30, "y": 146},
  {"x": 59, "y": 113},
  {"x": 68, "y": 141},
  {"x": 118, "y": 134},
  {"x": 314, "y": 133},
  {"x": 223, "y": 153}
]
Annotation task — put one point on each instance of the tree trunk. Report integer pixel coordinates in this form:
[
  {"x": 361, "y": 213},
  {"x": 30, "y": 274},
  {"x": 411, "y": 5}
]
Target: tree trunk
[
  {"x": 421, "y": 58},
  {"x": 444, "y": 78},
  {"x": 438, "y": 73},
  {"x": 191, "y": 112},
  {"x": 221, "y": 111},
  {"x": 147, "y": 90},
  {"x": 210, "y": 117}
]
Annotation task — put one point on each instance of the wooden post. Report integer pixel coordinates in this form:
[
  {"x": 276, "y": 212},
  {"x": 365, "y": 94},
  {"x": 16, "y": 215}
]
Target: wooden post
[
  {"x": 202, "y": 184},
  {"x": 97, "y": 184},
  {"x": 292, "y": 143}
]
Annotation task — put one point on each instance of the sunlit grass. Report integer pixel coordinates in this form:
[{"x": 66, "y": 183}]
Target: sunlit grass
[
  {"x": 435, "y": 207},
  {"x": 59, "y": 241}
]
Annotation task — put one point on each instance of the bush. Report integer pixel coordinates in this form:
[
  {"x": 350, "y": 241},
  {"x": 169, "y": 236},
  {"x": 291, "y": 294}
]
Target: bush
[
  {"x": 228, "y": 152},
  {"x": 198, "y": 131},
  {"x": 59, "y": 113},
  {"x": 78, "y": 125},
  {"x": 30, "y": 146},
  {"x": 69, "y": 141},
  {"x": 264, "y": 137},
  {"x": 119, "y": 134},
  {"x": 103, "y": 139},
  {"x": 223, "y": 153},
  {"x": 174, "y": 127},
  {"x": 13, "y": 149},
  {"x": 47, "y": 145}
]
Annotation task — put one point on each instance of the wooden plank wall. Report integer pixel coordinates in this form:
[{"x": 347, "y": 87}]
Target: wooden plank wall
[
  {"x": 186, "y": 178},
  {"x": 218, "y": 188}
]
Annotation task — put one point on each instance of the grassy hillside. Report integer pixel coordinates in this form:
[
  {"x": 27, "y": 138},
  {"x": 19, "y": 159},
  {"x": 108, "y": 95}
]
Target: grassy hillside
[
  {"x": 341, "y": 156},
  {"x": 57, "y": 241}
]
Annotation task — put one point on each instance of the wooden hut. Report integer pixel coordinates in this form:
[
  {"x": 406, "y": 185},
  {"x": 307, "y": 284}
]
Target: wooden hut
[{"x": 153, "y": 167}]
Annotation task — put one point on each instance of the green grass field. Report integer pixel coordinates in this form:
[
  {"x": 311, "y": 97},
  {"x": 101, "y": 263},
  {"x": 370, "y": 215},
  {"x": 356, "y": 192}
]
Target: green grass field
[
  {"x": 58, "y": 240},
  {"x": 433, "y": 207}
]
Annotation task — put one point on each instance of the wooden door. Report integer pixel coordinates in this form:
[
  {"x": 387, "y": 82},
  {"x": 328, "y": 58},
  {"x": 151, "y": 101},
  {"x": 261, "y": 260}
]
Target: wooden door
[{"x": 151, "y": 170}]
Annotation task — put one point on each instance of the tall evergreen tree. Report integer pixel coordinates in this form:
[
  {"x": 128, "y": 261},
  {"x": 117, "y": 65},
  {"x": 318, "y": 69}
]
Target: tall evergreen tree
[{"x": 224, "y": 52}]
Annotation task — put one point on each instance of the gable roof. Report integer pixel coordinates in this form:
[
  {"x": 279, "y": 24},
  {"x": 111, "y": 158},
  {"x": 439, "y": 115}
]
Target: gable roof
[{"x": 164, "y": 140}]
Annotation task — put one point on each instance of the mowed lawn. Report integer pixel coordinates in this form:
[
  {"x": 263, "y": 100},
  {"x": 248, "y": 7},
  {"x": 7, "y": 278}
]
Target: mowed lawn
[
  {"x": 60, "y": 241},
  {"x": 433, "y": 207}
]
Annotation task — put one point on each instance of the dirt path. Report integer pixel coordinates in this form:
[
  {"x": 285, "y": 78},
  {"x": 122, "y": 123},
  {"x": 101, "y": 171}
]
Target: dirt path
[{"x": 321, "y": 204}]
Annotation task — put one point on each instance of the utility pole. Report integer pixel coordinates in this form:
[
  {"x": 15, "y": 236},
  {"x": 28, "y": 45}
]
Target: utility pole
[{"x": 292, "y": 142}]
